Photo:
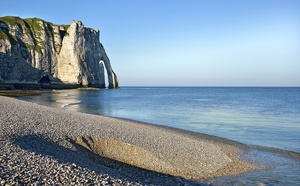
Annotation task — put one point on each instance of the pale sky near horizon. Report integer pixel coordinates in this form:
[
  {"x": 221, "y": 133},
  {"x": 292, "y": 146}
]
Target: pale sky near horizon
[{"x": 187, "y": 42}]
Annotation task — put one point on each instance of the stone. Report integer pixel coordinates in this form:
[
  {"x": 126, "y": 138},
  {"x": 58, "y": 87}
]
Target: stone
[{"x": 71, "y": 55}]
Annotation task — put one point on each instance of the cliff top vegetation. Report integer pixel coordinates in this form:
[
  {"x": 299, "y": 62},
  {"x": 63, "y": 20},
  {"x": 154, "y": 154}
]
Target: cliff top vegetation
[{"x": 30, "y": 26}]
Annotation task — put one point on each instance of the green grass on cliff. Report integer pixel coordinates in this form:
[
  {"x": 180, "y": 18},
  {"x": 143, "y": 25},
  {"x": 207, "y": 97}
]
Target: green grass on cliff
[
  {"x": 6, "y": 36},
  {"x": 32, "y": 27},
  {"x": 34, "y": 24},
  {"x": 3, "y": 35},
  {"x": 29, "y": 23},
  {"x": 12, "y": 20}
]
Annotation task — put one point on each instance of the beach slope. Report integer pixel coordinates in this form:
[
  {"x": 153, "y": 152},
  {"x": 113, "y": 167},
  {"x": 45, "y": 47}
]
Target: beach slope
[{"x": 48, "y": 145}]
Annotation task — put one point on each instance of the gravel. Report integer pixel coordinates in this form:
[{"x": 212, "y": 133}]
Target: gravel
[{"x": 47, "y": 146}]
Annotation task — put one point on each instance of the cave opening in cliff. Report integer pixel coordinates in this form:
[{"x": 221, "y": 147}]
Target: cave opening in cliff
[{"x": 45, "y": 79}]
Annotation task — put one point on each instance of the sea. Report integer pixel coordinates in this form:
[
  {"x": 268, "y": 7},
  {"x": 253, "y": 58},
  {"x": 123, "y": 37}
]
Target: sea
[{"x": 257, "y": 116}]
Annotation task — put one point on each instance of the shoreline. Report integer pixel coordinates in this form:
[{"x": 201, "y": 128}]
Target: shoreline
[
  {"x": 91, "y": 138},
  {"x": 294, "y": 154},
  {"x": 149, "y": 145},
  {"x": 24, "y": 93},
  {"x": 20, "y": 93}
]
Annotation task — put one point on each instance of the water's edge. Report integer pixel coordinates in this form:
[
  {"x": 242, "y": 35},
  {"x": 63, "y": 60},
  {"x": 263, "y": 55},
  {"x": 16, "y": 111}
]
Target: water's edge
[{"x": 282, "y": 164}]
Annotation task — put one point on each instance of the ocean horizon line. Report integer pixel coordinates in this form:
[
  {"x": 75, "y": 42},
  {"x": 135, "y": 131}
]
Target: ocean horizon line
[{"x": 187, "y": 86}]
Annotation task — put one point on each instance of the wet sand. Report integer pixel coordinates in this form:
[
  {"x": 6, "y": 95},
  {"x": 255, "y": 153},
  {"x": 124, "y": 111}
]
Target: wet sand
[
  {"x": 48, "y": 145},
  {"x": 18, "y": 93}
]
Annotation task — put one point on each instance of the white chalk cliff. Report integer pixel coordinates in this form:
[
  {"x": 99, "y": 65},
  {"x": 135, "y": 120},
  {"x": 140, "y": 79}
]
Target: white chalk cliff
[{"x": 71, "y": 55}]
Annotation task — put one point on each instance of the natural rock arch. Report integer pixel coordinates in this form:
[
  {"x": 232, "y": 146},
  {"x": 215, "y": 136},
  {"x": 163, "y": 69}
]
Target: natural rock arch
[
  {"x": 112, "y": 77},
  {"x": 80, "y": 54},
  {"x": 69, "y": 54}
]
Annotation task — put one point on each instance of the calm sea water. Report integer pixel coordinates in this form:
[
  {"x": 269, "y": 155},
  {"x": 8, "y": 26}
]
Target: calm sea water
[{"x": 257, "y": 116}]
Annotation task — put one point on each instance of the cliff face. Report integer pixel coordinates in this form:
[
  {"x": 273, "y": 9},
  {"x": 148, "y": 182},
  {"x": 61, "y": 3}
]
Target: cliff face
[{"x": 71, "y": 55}]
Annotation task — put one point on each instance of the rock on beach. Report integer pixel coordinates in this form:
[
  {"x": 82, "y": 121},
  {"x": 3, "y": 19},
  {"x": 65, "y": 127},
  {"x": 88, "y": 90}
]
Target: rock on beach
[{"x": 42, "y": 145}]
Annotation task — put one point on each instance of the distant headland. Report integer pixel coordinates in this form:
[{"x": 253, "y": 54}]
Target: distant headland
[{"x": 38, "y": 54}]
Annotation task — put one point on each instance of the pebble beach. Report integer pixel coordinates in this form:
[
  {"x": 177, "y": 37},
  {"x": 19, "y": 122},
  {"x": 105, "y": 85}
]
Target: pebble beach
[{"x": 48, "y": 146}]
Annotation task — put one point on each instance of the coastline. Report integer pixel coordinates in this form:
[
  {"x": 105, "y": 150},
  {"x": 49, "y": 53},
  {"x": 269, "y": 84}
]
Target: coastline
[
  {"x": 19, "y": 93},
  {"x": 151, "y": 146},
  {"x": 92, "y": 143},
  {"x": 33, "y": 92}
]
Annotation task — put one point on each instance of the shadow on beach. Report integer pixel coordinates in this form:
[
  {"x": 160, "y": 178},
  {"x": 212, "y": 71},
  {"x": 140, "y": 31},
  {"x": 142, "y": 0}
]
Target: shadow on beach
[{"x": 86, "y": 159}]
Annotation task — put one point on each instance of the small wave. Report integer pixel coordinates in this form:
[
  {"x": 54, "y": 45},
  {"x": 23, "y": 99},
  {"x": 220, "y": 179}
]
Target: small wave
[
  {"x": 203, "y": 99},
  {"x": 69, "y": 104}
]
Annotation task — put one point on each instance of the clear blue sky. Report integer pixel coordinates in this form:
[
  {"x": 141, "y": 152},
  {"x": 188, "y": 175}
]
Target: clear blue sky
[{"x": 187, "y": 42}]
